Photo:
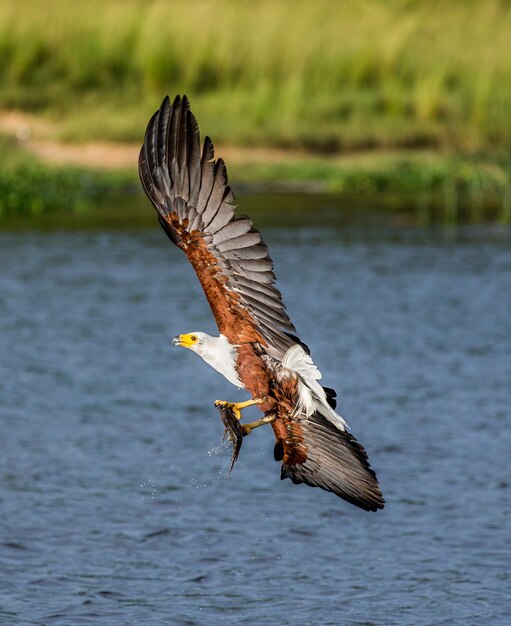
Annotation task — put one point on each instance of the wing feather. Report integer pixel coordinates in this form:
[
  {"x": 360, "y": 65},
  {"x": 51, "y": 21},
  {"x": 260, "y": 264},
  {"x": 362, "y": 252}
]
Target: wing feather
[
  {"x": 317, "y": 453},
  {"x": 232, "y": 230},
  {"x": 216, "y": 196},
  {"x": 243, "y": 284},
  {"x": 259, "y": 278},
  {"x": 244, "y": 241},
  {"x": 196, "y": 209},
  {"x": 254, "y": 265},
  {"x": 260, "y": 296},
  {"x": 207, "y": 173},
  {"x": 254, "y": 252}
]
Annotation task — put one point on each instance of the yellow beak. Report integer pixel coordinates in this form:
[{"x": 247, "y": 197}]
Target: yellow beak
[{"x": 184, "y": 341}]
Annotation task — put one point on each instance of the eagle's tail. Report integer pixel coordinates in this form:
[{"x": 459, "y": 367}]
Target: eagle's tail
[{"x": 335, "y": 461}]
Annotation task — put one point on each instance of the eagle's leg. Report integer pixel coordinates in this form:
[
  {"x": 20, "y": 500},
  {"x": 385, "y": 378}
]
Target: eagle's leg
[
  {"x": 267, "y": 419},
  {"x": 236, "y": 407}
]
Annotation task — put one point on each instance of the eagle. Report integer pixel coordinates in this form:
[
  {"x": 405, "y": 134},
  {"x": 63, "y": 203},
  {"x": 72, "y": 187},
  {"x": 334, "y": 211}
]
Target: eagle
[{"x": 257, "y": 348}]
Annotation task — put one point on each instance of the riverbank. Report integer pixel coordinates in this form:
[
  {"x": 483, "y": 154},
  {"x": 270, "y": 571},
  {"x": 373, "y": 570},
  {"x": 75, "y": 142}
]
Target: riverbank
[{"x": 41, "y": 175}]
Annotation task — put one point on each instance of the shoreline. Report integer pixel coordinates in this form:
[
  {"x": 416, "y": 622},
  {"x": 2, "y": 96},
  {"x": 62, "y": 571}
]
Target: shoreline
[
  {"x": 40, "y": 138},
  {"x": 438, "y": 186}
]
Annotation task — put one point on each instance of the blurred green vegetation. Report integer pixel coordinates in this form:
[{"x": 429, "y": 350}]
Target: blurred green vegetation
[
  {"x": 437, "y": 189},
  {"x": 422, "y": 85},
  {"x": 323, "y": 75},
  {"x": 29, "y": 187}
]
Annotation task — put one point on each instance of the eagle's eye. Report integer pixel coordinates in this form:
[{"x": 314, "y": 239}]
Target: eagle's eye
[{"x": 193, "y": 338}]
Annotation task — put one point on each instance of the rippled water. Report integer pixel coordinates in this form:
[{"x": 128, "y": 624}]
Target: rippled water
[{"x": 115, "y": 503}]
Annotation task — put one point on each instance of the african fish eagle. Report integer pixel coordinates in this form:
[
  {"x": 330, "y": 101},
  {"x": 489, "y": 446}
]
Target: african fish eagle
[{"x": 257, "y": 348}]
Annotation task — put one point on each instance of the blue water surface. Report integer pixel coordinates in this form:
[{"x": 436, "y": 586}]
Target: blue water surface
[{"x": 115, "y": 503}]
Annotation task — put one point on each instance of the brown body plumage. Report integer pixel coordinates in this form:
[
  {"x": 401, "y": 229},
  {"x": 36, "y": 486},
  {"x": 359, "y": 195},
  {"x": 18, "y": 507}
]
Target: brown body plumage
[{"x": 195, "y": 208}]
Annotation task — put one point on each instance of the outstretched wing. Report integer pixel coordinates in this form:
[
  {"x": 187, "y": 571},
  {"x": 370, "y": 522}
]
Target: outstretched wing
[
  {"x": 320, "y": 454},
  {"x": 195, "y": 208}
]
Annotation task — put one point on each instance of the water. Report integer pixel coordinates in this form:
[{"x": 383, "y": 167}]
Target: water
[{"x": 115, "y": 503}]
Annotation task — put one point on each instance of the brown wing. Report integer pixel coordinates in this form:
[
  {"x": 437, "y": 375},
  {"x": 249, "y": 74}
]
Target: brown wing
[
  {"x": 195, "y": 208},
  {"x": 317, "y": 453}
]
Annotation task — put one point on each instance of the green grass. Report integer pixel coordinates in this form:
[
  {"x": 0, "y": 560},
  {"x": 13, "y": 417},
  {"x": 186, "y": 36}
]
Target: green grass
[
  {"x": 446, "y": 190},
  {"x": 30, "y": 188},
  {"x": 323, "y": 75}
]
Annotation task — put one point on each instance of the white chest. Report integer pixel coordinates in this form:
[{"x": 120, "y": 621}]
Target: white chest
[{"x": 221, "y": 355}]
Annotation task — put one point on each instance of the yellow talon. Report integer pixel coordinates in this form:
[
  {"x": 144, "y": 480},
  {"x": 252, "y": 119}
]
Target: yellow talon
[
  {"x": 229, "y": 405},
  {"x": 236, "y": 407}
]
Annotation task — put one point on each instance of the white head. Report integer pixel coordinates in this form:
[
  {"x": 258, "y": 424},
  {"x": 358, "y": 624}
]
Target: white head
[
  {"x": 216, "y": 351},
  {"x": 196, "y": 341}
]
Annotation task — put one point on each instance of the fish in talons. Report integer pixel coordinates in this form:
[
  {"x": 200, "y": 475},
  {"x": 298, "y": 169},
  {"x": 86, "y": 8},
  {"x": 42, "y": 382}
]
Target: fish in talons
[{"x": 234, "y": 429}]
